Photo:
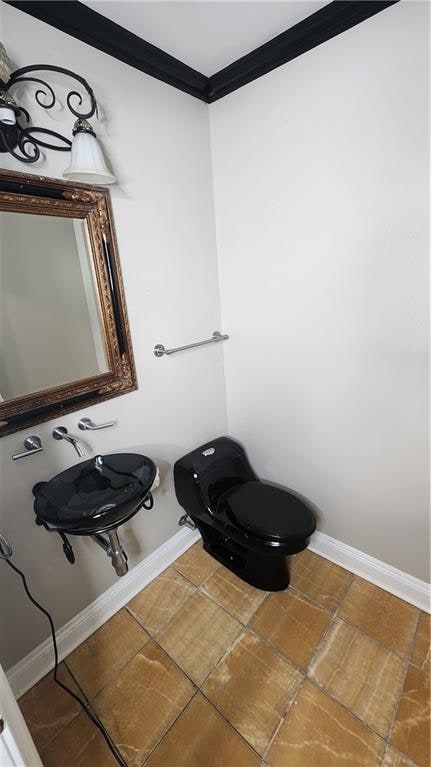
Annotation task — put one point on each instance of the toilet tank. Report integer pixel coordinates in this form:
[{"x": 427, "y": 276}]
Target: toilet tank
[{"x": 208, "y": 471}]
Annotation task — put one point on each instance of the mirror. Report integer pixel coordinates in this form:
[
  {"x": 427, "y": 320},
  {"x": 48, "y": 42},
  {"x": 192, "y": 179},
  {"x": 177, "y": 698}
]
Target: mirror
[
  {"x": 50, "y": 319},
  {"x": 64, "y": 336}
]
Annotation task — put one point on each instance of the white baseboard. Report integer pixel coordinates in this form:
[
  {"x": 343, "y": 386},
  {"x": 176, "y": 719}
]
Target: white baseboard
[
  {"x": 39, "y": 661},
  {"x": 391, "y": 579}
]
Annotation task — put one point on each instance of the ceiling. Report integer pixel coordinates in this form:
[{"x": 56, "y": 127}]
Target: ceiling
[{"x": 206, "y": 35}]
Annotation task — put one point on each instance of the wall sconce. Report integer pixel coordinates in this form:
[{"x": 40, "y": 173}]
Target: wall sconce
[{"x": 24, "y": 141}]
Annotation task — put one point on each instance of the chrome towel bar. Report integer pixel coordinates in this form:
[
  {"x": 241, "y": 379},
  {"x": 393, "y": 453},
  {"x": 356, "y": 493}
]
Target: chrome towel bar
[{"x": 159, "y": 350}]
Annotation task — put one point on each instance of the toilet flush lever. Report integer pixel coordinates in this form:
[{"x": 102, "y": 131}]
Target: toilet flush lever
[{"x": 86, "y": 424}]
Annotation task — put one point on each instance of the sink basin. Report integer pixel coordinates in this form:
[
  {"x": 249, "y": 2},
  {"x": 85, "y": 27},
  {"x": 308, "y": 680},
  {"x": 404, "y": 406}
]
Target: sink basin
[{"x": 96, "y": 495}]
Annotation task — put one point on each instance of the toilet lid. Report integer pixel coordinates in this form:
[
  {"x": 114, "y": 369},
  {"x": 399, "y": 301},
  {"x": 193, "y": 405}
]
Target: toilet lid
[{"x": 267, "y": 511}]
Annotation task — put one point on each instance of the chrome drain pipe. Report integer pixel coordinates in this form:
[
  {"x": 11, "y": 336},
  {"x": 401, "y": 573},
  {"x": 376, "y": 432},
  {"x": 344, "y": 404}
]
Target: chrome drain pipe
[{"x": 113, "y": 548}]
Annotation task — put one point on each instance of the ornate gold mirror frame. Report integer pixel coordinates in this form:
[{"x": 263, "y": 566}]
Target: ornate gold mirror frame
[{"x": 38, "y": 195}]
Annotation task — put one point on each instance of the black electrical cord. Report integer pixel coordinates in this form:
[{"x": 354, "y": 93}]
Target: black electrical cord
[{"x": 91, "y": 715}]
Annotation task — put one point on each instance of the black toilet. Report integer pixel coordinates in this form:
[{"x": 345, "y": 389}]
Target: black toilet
[{"x": 248, "y": 525}]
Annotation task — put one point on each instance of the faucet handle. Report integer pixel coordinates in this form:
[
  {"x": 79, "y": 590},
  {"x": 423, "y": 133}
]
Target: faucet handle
[
  {"x": 86, "y": 424},
  {"x": 32, "y": 444}
]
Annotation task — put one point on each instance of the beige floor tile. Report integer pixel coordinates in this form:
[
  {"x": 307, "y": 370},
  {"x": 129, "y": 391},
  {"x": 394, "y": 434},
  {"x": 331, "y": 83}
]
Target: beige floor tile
[
  {"x": 80, "y": 744},
  {"x": 359, "y": 672},
  {"x": 320, "y": 579},
  {"x": 47, "y": 708},
  {"x": 97, "y": 660},
  {"x": 252, "y": 687},
  {"x": 237, "y": 597},
  {"x": 139, "y": 705},
  {"x": 422, "y": 649},
  {"x": 318, "y": 732},
  {"x": 291, "y": 623},
  {"x": 198, "y": 635},
  {"x": 202, "y": 738},
  {"x": 196, "y": 564},
  {"x": 376, "y": 612},
  {"x": 395, "y": 759},
  {"x": 156, "y": 604},
  {"x": 411, "y": 732}
]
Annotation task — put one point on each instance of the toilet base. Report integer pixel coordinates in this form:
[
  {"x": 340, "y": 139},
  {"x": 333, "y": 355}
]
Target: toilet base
[{"x": 268, "y": 571}]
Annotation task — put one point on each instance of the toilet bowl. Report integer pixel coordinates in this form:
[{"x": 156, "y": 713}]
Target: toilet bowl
[{"x": 248, "y": 525}]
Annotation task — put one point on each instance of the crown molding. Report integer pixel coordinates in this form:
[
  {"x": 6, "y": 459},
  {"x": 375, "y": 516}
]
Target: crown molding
[
  {"x": 80, "y": 21},
  {"x": 328, "y": 22}
]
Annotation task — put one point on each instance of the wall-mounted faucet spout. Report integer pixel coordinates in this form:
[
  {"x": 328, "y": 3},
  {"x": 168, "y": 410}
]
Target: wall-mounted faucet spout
[{"x": 60, "y": 432}]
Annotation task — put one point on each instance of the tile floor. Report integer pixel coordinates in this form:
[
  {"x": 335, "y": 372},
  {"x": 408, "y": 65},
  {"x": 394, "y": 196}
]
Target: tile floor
[{"x": 201, "y": 670}]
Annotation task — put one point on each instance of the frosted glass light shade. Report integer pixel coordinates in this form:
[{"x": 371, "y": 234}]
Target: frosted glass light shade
[
  {"x": 87, "y": 163},
  {"x": 7, "y": 116}
]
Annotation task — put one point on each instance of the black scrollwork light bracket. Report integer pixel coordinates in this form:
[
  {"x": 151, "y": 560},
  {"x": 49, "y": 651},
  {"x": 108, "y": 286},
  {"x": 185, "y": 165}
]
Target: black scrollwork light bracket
[{"x": 22, "y": 140}]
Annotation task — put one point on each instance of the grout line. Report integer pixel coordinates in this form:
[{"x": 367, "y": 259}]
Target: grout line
[
  {"x": 347, "y": 591},
  {"x": 162, "y": 737},
  {"x": 196, "y": 690},
  {"x": 385, "y": 751},
  {"x": 346, "y": 708},
  {"x": 148, "y": 639},
  {"x": 231, "y": 725},
  {"x": 305, "y": 598},
  {"x": 400, "y": 694},
  {"x": 245, "y": 627},
  {"x": 275, "y": 650},
  {"x": 399, "y": 753},
  {"x": 222, "y": 657},
  {"x": 415, "y": 636},
  {"x": 337, "y": 617},
  {"x": 334, "y": 614},
  {"x": 167, "y": 621},
  {"x": 396, "y": 706},
  {"x": 197, "y": 586},
  {"x": 332, "y": 694},
  {"x": 214, "y": 599},
  {"x": 114, "y": 675},
  {"x": 200, "y": 690},
  {"x": 419, "y": 668},
  {"x": 183, "y": 671},
  {"x": 80, "y": 690},
  {"x": 189, "y": 580},
  {"x": 319, "y": 646},
  {"x": 89, "y": 705},
  {"x": 404, "y": 658},
  {"x": 339, "y": 600},
  {"x": 302, "y": 671},
  {"x": 283, "y": 718},
  {"x": 186, "y": 603},
  {"x": 411, "y": 643}
]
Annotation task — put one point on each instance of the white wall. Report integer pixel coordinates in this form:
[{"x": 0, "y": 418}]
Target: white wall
[
  {"x": 320, "y": 172},
  {"x": 158, "y": 141}
]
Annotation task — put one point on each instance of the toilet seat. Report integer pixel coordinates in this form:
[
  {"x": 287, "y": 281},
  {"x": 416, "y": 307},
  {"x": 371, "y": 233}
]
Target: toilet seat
[{"x": 267, "y": 511}]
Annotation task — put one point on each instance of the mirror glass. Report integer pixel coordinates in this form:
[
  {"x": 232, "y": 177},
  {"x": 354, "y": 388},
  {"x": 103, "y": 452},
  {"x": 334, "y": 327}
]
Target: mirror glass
[{"x": 51, "y": 329}]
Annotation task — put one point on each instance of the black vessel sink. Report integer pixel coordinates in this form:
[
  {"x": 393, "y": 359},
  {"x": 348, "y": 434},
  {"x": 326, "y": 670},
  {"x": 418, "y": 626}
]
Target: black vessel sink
[{"x": 96, "y": 495}]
